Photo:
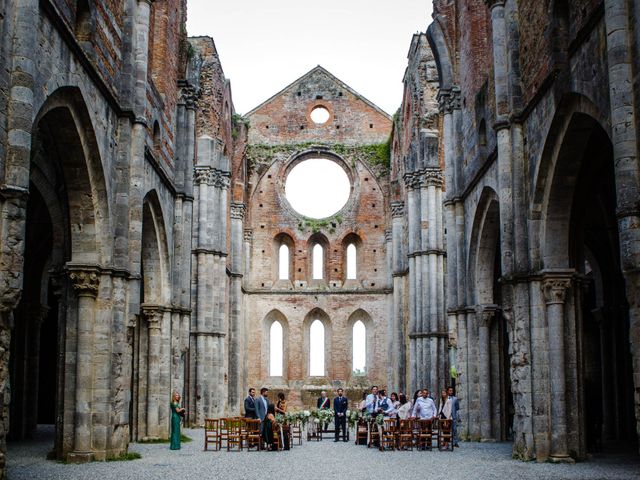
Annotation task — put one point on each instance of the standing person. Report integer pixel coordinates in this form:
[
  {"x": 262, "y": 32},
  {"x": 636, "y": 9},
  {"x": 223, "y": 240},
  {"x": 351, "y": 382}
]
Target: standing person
[
  {"x": 455, "y": 407},
  {"x": 250, "y": 405},
  {"x": 262, "y": 404},
  {"x": 385, "y": 406},
  {"x": 340, "y": 405},
  {"x": 372, "y": 400},
  {"x": 177, "y": 413},
  {"x": 424, "y": 407},
  {"x": 444, "y": 406},
  {"x": 281, "y": 406},
  {"x": 324, "y": 403},
  {"x": 404, "y": 411}
]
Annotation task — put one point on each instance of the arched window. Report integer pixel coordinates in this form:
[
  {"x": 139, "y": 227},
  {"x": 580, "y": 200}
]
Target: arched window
[
  {"x": 359, "y": 348},
  {"x": 318, "y": 262},
  {"x": 83, "y": 21},
  {"x": 157, "y": 139},
  {"x": 275, "y": 349},
  {"x": 316, "y": 349},
  {"x": 482, "y": 133},
  {"x": 283, "y": 262},
  {"x": 351, "y": 262}
]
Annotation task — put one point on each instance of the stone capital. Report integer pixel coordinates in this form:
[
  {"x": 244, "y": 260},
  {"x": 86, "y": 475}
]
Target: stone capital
[
  {"x": 153, "y": 314},
  {"x": 237, "y": 211},
  {"x": 248, "y": 235},
  {"x": 397, "y": 209},
  {"x": 85, "y": 282},
  {"x": 555, "y": 289},
  {"x": 189, "y": 95},
  {"x": 412, "y": 180},
  {"x": 433, "y": 177},
  {"x": 388, "y": 235},
  {"x": 485, "y": 314},
  {"x": 448, "y": 100}
]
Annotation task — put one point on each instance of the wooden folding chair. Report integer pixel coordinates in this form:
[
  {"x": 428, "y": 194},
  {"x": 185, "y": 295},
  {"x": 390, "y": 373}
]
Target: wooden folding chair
[
  {"x": 296, "y": 433},
  {"x": 362, "y": 432},
  {"x": 405, "y": 435},
  {"x": 424, "y": 437},
  {"x": 252, "y": 435},
  {"x": 224, "y": 425},
  {"x": 374, "y": 434},
  {"x": 235, "y": 435},
  {"x": 211, "y": 433},
  {"x": 389, "y": 430},
  {"x": 445, "y": 434}
]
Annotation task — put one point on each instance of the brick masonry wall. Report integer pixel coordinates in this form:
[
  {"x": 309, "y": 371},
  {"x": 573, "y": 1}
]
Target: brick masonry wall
[{"x": 285, "y": 118}]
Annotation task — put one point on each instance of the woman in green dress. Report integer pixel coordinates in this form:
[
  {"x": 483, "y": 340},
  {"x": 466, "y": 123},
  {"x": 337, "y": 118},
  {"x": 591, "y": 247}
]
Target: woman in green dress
[{"x": 177, "y": 412}]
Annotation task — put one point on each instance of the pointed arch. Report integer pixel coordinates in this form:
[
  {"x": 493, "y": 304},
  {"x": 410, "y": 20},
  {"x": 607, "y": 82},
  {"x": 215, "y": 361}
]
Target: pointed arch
[
  {"x": 322, "y": 343},
  {"x": 363, "y": 345},
  {"x": 318, "y": 246},
  {"x": 154, "y": 253},
  {"x": 272, "y": 318}
]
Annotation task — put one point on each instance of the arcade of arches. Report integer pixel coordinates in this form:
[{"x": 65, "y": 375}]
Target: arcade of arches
[{"x": 487, "y": 235}]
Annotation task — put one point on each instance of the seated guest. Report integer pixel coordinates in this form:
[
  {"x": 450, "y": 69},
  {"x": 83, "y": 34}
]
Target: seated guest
[
  {"x": 281, "y": 406},
  {"x": 372, "y": 400},
  {"x": 393, "y": 398},
  {"x": 404, "y": 410},
  {"x": 424, "y": 407},
  {"x": 385, "y": 406},
  {"x": 269, "y": 427}
]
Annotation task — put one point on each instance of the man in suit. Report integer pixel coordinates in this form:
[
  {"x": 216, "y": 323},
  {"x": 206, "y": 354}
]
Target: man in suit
[
  {"x": 261, "y": 405},
  {"x": 340, "y": 405},
  {"x": 250, "y": 405},
  {"x": 455, "y": 406}
]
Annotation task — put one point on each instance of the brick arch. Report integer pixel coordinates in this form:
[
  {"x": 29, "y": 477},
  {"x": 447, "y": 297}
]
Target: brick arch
[
  {"x": 485, "y": 239},
  {"x": 356, "y": 240},
  {"x": 441, "y": 53},
  {"x": 64, "y": 120},
  {"x": 283, "y": 238},
  {"x": 319, "y": 239},
  {"x": 318, "y": 314}
]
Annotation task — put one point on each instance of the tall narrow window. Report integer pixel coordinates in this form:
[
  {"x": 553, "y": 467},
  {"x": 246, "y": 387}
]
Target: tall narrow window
[
  {"x": 283, "y": 262},
  {"x": 318, "y": 259},
  {"x": 275, "y": 349},
  {"x": 359, "y": 348},
  {"x": 316, "y": 349},
  {"x": 351, "y": 262}
]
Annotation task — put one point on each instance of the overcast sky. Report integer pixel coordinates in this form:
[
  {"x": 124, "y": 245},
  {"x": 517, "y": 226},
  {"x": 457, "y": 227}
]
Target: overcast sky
[{"x": 264, "y": 46}]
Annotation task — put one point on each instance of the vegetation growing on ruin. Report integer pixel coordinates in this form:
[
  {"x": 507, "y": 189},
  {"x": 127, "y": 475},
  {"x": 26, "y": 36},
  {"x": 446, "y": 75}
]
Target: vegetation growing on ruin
[{"x": 329, "y": 224}]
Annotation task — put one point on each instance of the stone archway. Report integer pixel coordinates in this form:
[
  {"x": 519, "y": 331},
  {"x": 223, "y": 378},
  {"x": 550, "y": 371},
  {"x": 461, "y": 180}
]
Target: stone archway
[
  {"x": 586, "y": 310},
  {"x": 63, "y": 251},
  {"x": 150, "y": 382},
  {"x": 494, "y": 405}
]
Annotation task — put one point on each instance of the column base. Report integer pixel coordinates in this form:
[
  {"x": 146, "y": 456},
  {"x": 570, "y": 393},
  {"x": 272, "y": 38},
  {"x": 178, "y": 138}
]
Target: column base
[
  {"x": 80, "y": 457},
  {"x": 561, "y": 459}
]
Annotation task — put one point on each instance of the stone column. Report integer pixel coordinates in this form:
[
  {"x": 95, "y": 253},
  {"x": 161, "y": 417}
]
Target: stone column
[
  {"x": 85, "y": 283},
  {"x": 555, "y": 288},
  {"x": 153, "y": 314},
  {"x": 398, "y": 273},
  {"x": 413, "y": 232},
  {"x": 486, "y": 314},
  {"x": 36, "y": 314},
  {"x": 624, "y": 135},
  {"x": 236, "y": 317}
]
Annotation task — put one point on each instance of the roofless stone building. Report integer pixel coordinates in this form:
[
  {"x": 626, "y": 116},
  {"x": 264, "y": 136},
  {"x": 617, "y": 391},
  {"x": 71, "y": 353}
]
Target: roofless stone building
[{"x": 150, "y": 242}]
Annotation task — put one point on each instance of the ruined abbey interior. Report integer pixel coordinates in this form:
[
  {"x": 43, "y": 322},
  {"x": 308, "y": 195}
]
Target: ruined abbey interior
[{"x": 488, "y": 234}]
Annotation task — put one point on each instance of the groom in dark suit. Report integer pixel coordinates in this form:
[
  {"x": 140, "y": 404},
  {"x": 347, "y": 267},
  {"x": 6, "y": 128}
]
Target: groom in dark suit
[
  {"x": 340, "y": 405},
  {"x": 250, "y": 405}
]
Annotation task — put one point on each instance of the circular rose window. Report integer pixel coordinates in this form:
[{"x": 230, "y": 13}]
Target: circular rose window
[
  {"x": 320, "y": 115},
  {"x": 317, "y": 188}
]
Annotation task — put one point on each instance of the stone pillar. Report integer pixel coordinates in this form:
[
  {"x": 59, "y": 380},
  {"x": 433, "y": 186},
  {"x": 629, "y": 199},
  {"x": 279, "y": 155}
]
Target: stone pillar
[
  {"x": 236, "y": 318},
  {"x": 85, "y": 283},
  {"x": 624, "y": 124},
  {"x": 398, "y": 270},
  {"x": 153, "y": 314},
  {"x": 36, "y": 314},
  {"x": 486, "y": 314},
  {"x": 555, "y": 288},
  {"x": 413, "y": 231}
]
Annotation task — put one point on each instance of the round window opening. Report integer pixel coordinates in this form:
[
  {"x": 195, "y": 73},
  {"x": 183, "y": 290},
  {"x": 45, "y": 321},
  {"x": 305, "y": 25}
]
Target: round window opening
[
  {"x": 317, "y": 188},
  {"x": 320, "y": 115}
]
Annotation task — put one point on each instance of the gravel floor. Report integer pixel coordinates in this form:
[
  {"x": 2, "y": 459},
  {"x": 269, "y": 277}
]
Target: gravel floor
[{"x": 322, "y": 460}]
